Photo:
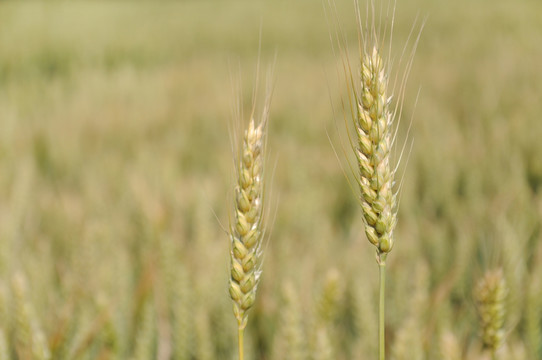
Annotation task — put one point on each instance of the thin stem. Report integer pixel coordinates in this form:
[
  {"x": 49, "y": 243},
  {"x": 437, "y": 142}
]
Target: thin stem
[
  {"x": 493, "y": 354},
  {"x": 382, "y": 311},
  {"x": 240, "y": 343}
]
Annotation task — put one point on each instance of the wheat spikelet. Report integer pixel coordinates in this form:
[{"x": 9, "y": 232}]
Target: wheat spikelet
[
  {"x": 490, "y": 295},
  {"x": 373, "y": 125},
  {"x": 247, "y": 231}
]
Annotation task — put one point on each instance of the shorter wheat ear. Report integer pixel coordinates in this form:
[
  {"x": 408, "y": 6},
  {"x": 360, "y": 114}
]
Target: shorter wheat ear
[{"x": 247, "y": 229}]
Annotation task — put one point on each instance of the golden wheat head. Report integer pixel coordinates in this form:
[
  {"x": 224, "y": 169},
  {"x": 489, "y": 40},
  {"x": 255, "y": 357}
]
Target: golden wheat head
[
  {"x": 246, "y": 232},
  {"x": 373, "y": 124}
]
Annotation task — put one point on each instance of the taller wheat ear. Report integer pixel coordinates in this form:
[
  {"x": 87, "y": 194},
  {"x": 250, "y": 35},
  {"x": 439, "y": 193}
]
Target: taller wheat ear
[
  {"x": 246, "y": 232},
  {"x": 373, "y": 124},
  {"x": 373, "y": 128}
]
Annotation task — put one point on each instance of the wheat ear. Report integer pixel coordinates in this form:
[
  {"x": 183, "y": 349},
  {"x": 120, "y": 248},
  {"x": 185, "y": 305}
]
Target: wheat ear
[
  {"x": 373, "y": 123},
  {"x": 374, "y": 137},
  {"x": 246, "y": 233},
  {"x": 490, "y": 295}
]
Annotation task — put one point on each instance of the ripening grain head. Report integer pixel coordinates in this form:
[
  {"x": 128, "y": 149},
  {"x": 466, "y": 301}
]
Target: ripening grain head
[
  {"x": 247, "y": 229},
  {"x": 373, "y": 124},
  {"x": 376, "y": 111}
]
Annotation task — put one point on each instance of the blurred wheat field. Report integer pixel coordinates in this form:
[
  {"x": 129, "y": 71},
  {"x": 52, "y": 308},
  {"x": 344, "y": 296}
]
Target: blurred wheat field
[{"x": 115, "y": 158}]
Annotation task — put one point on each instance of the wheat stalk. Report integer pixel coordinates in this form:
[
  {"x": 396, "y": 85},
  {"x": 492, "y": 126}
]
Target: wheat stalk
[{"x": 247, "y": 230}]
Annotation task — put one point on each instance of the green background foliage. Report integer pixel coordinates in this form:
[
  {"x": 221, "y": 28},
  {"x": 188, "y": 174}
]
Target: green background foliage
[{"x": 115, "y": 158}]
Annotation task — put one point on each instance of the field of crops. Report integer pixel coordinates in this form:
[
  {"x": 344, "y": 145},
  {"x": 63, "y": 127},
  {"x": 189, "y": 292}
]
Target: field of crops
[{"x": 117, "y": 181}]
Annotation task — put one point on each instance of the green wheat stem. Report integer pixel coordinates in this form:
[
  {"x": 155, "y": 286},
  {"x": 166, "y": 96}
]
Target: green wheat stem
[
  {"x": 241, "y": 332},
  {"x": 382, "y": 311}
]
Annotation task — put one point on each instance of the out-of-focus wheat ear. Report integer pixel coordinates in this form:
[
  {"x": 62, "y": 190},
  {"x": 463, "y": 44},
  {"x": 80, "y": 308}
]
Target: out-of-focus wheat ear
[
  {"x": 365, "y": 319},
  {"x": 183, "y": 318},
  {"x": 490, "y": 296},
  {"x": 145, "y": 338},
  {"x": 179, "y": 297},
  {"x": 327, "y": 309},
  {"x": 204, "y": 342},
  {"x": 409, "y": 342},
  {"x": 323, "y": 348},
  {"x": 450, "y": 348},
  {"x": 106, "y": 333},
  {"x": 5, "y": 319},
  {"x": 30, "y": 340},
  {"x": 328, "y": 303},
  {"x": 86, "y": 332},
  {"x": 4, "y": 350},
  {"x": 291, "y": 342},
  {"x": 62, "y": 338},
  {"x": 533, "y": 315}
]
